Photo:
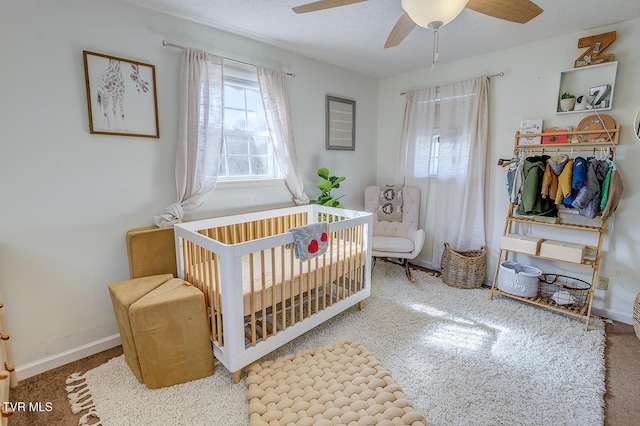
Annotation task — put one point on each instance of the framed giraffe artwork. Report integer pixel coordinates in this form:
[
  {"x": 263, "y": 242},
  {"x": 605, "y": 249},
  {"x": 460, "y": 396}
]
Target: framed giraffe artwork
[{"x": 121, "y": 96}]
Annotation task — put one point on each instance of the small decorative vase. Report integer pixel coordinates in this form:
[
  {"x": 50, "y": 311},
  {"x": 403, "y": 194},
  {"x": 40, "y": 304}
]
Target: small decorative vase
[{"x": 567, "y": 104}]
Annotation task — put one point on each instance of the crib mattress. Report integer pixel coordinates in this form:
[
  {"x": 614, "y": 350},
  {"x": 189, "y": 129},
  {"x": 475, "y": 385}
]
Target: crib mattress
[{"x": 274, "y": 277}]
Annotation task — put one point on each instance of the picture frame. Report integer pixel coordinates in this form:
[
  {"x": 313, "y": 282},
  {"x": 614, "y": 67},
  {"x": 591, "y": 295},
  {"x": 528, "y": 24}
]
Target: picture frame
[
  {"x": 121, "y": 96},
  {"x": 530, "y": 127},
  {"x": 340, "y": 123}
]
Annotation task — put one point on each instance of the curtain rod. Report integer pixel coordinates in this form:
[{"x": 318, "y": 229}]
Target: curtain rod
[
  {"x": 500, "y": 74},
  {"x": 177, "y": 46}
]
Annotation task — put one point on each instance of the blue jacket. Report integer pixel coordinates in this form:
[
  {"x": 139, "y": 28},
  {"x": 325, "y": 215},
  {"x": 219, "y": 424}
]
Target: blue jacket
[{"x": 578, "y": 180}]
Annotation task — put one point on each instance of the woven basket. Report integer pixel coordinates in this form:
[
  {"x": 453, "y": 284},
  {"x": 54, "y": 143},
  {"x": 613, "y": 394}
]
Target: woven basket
[
  {"x": 636, "y": 316},
  {"x": 463, "y": 269}
]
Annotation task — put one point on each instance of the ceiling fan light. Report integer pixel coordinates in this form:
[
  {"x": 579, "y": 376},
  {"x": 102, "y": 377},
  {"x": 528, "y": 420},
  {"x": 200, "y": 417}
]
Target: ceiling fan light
[{"x": 424, "y": 12}]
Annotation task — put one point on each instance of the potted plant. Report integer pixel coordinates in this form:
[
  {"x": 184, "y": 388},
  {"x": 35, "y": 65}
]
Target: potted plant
[
  {"x": 325, "y": 186},
  {"x": 567, "y": 101}
]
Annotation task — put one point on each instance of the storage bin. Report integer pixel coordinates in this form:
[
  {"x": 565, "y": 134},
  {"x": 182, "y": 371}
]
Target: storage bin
[
  {"x": 463, "y": 269},
  {"x": 521, "y": 243},
  {"x": 568, "y": 292},
  {"x": 517, "y": 279},
  {"x": 560, "y": 250}
]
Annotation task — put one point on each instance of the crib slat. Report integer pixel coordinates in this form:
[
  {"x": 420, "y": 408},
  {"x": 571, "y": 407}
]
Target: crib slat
[
  {"x": 218, "y": 301},
  {"x": 292, "y": 292},
  {"x": 273, "y": 291},
  {"x": 252, "y": 302},
  {"x": 331, "y": 263},
  {"x": 316, "y": 274},
  {"x": 263, "y": 295}
]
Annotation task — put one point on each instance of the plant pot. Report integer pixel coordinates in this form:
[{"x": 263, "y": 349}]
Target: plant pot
[{"x": 567, "y": 104}]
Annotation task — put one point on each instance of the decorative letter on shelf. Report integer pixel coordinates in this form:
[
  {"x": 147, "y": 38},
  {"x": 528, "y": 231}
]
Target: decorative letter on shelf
[{"x": 596, "y": 45}]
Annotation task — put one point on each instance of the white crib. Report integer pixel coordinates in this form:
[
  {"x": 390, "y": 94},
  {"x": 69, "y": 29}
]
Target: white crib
[{"x": 258, "y": 294}]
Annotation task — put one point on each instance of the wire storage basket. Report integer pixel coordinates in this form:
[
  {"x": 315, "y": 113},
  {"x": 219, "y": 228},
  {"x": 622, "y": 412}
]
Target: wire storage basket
[
  {"x": 463, "y": 269},
  {"x": 564, "y": 291}
]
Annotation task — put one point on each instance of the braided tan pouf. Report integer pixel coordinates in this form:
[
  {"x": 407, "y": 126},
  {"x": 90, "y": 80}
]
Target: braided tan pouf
[{"x": 341, "y": 384}]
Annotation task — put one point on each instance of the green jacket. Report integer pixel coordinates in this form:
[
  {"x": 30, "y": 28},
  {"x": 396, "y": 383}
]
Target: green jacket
[{"x": 532, "y": 202}]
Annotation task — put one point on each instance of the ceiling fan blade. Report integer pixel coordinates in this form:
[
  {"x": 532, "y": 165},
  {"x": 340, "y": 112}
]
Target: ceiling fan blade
[
  {"x": 400, "y": 31},
  {"x": 520, "y": 11},
  {"x": 323, "y": 4}
]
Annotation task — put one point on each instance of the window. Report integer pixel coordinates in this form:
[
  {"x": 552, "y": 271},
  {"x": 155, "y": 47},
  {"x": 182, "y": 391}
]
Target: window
[
  {"x": 247, "y": 151},
  {"x": 427, "y": 155},
  {"x": 435, "y": 151}
]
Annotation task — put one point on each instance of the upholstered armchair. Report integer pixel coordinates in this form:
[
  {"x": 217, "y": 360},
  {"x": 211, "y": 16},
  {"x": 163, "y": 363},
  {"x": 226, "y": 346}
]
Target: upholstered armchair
[{"x": 395, "y": 236}]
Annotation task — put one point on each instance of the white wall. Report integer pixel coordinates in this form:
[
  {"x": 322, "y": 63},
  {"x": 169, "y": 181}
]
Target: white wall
[
  {"x": 70, "y": 196},
  {"x": 528, "y": 90}
]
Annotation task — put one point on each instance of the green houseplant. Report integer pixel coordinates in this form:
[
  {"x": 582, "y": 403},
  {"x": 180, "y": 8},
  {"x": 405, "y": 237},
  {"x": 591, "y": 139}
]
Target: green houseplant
[
  {"x": 566, "y": 95},
  {"x": 567, "y": 101},
  {"x": 325, "y": 186}
]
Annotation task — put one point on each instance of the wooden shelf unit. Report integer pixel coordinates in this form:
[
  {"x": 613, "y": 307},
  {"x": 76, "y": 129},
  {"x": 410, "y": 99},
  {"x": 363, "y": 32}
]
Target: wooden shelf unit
[
  {"x": 593, "y": 263},
  {"x": 578, "y": 81},
  {"x": 614, "y": 133},
  {"x": 596, "y": 231}
]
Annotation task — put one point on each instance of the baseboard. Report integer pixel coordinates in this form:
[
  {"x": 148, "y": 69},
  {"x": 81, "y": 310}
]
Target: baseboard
[
  {"x": 623, "y": 318},
  {"x": 40, "y": 366}
]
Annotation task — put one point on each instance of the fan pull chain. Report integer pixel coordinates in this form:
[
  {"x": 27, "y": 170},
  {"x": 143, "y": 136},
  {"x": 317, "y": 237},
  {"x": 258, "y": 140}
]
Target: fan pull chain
[{"x": 435, "y": 26}]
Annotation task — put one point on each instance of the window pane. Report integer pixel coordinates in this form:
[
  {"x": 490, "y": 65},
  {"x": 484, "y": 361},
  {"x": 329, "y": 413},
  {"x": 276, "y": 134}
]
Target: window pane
[
  {"x": 233, "y": 97},
  {"x": 234, "y": 119},
  {"x": 222, "y": 172},
  {"x": 236, "y": 145},
  {"x": 260, "y": 146},
  {"x": 238, "y": 166},
  {"x": 259, "y": 166},
  {"x": 256, "y": 121},
  {"x": 254, "y": 100}
]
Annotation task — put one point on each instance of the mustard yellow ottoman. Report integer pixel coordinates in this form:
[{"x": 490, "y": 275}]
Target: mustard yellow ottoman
[
  {"x": 123, "y": 295},
  {"x": 168, "y": 332},
  {"x": 171, "y": 331}
]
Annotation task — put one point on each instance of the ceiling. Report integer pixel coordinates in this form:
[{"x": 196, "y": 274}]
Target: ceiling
[{"x": 353, "y": 36}]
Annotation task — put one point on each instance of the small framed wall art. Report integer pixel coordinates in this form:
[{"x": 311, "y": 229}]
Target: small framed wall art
[
  {"x": 530, "y": 127},
  {"x": 121, "y": 96},
  {"x": 341, "y": 123}
]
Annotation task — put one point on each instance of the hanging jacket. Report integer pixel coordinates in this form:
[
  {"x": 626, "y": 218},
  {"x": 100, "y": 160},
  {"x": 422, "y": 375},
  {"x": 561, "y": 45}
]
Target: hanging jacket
[
  {"x": 531, "y": 202},
  {"x": 549, "y": 183},
  {"x": 615, "y": 192},
  {"x": 578, "y": 180},
  {"x": 588, "y": 197},
  {"x": 605, "y": 186},
  {"x": 555, "y": 166},
  {"x": 514, "y": 181},
  {"x": 558, "y": 162},
  {"x": 564, "y": 182}
]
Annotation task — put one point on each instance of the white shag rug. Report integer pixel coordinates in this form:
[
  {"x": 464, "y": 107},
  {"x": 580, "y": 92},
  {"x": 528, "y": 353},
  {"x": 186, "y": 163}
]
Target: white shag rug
[{"x": 459, "y": 357}]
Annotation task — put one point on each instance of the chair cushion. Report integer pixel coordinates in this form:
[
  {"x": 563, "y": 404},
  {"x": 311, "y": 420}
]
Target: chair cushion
[
  {"x": 390, "y": 203},
  {"x": 392, "y": 244}
]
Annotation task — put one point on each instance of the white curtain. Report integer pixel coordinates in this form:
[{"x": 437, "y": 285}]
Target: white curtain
[
  {"x": 413, "y": 168},
  {"x": 276, "y": 104},
  {"x": 200, "y": 133},
  {"x": 460, "y": 198}
]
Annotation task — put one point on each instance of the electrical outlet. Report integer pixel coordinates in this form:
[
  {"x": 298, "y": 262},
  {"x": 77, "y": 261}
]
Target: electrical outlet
[{"x": 602, "y": 283}]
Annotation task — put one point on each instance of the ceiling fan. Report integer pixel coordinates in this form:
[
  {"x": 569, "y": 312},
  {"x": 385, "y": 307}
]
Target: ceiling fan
[{"x": 435, "y": 13}]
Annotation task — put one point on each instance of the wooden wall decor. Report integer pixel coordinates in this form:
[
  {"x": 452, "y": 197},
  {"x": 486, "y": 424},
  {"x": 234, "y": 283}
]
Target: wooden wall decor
[{"x": 596, "y": 45}]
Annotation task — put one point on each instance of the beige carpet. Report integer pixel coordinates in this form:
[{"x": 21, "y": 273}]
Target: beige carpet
[{"x": 340, "y": 384}]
